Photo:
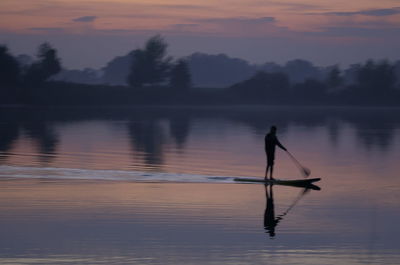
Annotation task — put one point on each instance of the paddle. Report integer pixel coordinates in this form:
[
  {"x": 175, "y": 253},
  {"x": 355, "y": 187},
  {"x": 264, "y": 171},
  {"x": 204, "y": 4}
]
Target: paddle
[
  {"x": 304, "y": 192},
  {"x": 305, "y": 171}
]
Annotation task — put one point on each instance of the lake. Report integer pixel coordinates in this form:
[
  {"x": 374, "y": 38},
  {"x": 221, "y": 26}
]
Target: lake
[{"x": 155, "y": 185}]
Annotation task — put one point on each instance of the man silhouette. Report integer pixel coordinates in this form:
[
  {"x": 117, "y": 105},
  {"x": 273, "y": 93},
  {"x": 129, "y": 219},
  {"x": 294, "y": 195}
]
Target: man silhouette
[{"x": 270, "y": 142}]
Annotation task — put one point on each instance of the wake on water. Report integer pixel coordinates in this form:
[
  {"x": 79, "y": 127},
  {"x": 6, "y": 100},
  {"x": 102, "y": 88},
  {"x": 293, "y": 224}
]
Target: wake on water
[{"x": 51, "y": 173}]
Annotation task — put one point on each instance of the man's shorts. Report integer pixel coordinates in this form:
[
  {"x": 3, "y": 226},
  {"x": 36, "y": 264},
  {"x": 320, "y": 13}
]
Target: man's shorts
[{"x": 270, "y": 159}]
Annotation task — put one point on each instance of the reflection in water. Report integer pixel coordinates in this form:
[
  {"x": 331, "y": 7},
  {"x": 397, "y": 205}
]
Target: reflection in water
[
  {"x": 270, "y": 221},
  {"x": 375, "y": 128},
  {"x": 9, "y": 134},
  {"x": 179, "y": 128},
  {"x": 147, "y": 138},
  {"x": 334, "y": 129},
  {"x": 44, "y": 136},
  {"x": 151, "y": 129},
  {"x": 39, "y": 132},
  {"x": 376, "y": 131},
  {"x": 179, "y": 223}
]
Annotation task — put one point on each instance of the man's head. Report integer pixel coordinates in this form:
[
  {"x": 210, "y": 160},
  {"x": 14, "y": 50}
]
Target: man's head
[{"x": 273, "y": 129}]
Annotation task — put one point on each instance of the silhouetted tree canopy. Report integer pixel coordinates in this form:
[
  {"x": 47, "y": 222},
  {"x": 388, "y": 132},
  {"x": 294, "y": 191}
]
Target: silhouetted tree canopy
[
  {"x": 24, "y": 60},
  {"x": 334, "y": 78},
  {"x": 151, "y": 64},
  {"x": 300, "y": 70},
  {"x": 9, "y": 76},
  {"x": 47, "y": 65},
  {"x": 9, "y": 68},
  {"x": 264, "y": 87},
  {"x": 397, "y": 73},
  {"x": 180, "y": 78},
  {"x": 219, "y": 70},
  {"x": 309, "y": 91},
  {"x": 297, "y": 82},
  {"x": 376, "y": 78},
  {"x": 85, "y": 76},
  {"x": 271, "y": 67},
  {"x": 117, "y": 70}
]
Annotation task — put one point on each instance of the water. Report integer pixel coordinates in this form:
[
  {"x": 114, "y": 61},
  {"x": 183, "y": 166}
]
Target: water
[{"x": 155, "y": 186}]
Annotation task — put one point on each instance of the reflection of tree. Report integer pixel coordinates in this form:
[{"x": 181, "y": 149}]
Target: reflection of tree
[
  {"x": 34, "y": 126},
  {"x": 375, "y": 128},
  {"x": 372, "y": 136},
  {"x": 333, "y": 130},
  {"x": 8, "y": 135},
  {"x": 179, "y": 127},
  {"x": 147, "y": 137},
  {"x": 44, "y": 137},
  {"x": 259, "y": 120}
]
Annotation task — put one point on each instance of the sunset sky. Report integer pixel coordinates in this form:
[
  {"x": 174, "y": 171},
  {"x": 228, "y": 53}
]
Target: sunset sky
[{"x": 89, "y": 33}]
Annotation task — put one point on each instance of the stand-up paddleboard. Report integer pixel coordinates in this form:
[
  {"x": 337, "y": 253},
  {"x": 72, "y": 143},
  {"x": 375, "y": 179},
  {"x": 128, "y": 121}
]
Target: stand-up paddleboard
[{"x": 293, "y": 182}]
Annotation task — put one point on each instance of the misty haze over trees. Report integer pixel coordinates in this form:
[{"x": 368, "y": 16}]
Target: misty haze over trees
[{"x": 149, "y": 75}]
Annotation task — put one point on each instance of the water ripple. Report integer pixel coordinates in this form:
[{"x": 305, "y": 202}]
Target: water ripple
[{"x": 7, "y": 172}]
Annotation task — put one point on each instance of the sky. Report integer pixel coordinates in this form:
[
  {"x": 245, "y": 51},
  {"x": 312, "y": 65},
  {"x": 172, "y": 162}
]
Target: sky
[{"x": 89, "y": 33}]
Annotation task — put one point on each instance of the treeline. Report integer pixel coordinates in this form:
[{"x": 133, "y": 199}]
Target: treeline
[
  {"x": 154, "y": 77},
  {"x": 19, "y": 82},
  {"x": 374, "y": 83}
]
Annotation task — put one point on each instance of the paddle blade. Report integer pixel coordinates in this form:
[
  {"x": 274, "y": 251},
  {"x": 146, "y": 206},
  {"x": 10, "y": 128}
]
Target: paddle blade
[{"x": 306, "y": 171}]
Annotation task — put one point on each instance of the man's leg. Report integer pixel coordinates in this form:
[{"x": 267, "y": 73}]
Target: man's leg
[
  {"x": 266, "y": 171},
  {"x": 271, "y": 168}
]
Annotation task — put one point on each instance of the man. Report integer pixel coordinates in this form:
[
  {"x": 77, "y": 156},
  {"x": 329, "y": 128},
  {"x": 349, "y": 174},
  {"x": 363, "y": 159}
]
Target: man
[{"x": 270, "y": 142}]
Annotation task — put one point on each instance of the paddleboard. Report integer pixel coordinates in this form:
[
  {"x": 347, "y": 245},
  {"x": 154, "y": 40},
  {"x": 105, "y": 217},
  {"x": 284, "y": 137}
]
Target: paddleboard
[{"x": 292, "y": 182}]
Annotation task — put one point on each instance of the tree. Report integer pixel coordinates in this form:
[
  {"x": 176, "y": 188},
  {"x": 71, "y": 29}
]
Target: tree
[
  {"x": 180, "y": 78},
  {"x": 151, "y": 64},
  {"x": 309, "y": 91},
  {"x": 117, "y": 70},
  {"x": 334, "y": 78},
  {"x": 218, "y": 70},
  {"x": 9, "y": 69},
  {"x": 264, "y": 88},
  {"x": 300, "y": 70},
  {"x": 376, "y": 79},
  {"x": 9, "y": 76},
  {"x": 48, "y": 64},
  {"x": 48, "y": 58}
]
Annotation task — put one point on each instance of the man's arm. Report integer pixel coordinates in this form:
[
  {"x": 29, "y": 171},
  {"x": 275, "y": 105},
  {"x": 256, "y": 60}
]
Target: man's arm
[{"x": 280, "y": 145}]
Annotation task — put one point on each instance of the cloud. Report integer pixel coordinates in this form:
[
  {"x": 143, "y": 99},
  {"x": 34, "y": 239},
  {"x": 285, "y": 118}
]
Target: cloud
[
  {"x": 242, "y": 26},
  {"x": 85, "y": 19},
  {"x": 358, "y": 32},
  {"x": 184, "y": 7},
  {"x": 240, "y": 20},
  {"x": 371, "y": 12},
  {"x": 48, "y": 30},
  {"x": 231, "y": 26},
  {"x": 185, "y": 27},
  {"x": 290, "y": 5}
]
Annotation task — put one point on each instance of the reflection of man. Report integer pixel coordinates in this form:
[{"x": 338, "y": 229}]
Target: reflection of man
[
  {"x": 270, "y": 222},
  {"x": 270, "y": 142}
]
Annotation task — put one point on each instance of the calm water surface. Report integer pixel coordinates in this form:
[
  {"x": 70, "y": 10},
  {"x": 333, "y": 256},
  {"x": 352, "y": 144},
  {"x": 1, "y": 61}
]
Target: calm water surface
[{"x": 155, "y": 186}]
